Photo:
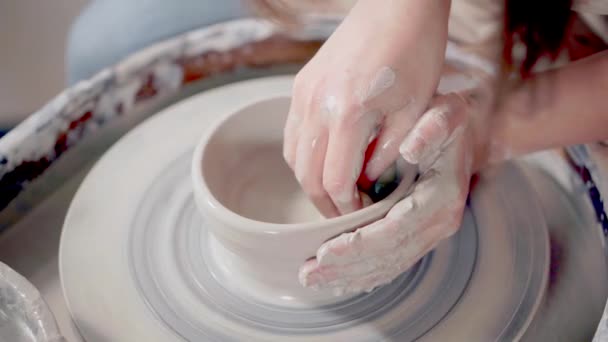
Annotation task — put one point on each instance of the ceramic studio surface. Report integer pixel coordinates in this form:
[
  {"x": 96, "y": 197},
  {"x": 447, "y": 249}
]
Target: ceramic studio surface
[
  {"x": 24, "y": 315},
  {"x": 139, "y": 262}
]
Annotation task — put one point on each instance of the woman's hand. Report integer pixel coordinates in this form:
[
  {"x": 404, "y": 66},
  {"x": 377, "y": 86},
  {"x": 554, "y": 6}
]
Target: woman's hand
[
  {"x": 373, "y": 78},
  {"x": 447, "y": 143}
]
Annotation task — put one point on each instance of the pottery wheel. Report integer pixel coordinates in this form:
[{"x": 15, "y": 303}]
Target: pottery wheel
[{"x": 135, "y": 263}]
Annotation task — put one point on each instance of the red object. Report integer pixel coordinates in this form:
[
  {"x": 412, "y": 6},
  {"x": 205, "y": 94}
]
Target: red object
[
  {"x": 474, "y": 181},
  {"x": 364, "y": 183}
]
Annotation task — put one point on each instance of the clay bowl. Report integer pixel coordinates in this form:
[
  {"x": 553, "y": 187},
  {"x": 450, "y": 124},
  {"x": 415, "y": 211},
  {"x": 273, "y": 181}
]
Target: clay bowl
[{"x": 262, "y": 226}]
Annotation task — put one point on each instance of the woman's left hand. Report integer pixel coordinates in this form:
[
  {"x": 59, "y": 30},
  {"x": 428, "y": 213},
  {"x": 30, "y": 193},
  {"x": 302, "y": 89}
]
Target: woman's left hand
[{"x": 446, "y": 144}]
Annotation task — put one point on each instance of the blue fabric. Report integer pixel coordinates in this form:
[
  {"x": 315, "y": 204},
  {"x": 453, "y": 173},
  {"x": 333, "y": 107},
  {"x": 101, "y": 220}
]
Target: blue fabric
[
  {"x": 109, "y": 30},
  {"x": 584, "y": 166}
]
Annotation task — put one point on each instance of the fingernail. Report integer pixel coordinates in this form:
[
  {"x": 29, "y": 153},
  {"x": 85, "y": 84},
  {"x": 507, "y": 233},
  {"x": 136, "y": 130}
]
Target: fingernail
[
  {"x": 412, "y": 148},
  {"x": 375, "y": 166},
  {"x": 349, "y": 202},
  {"x": 371, "y": 171},
  {"x": 366, "y": 201},
  {"x": 313, "y": 279},
  {"x": 389, "y": 174},
  {"x": 429, "y": 136},
  {"x": 338, "y": 291},
  {"x": 327, "y": 254},
  {"x": 358, "y": 200},
  {"x": 354, "y": 239}
]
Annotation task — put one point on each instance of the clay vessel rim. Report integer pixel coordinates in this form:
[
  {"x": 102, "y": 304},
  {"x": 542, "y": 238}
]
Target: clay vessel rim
[{"x": 246, "y": 225}]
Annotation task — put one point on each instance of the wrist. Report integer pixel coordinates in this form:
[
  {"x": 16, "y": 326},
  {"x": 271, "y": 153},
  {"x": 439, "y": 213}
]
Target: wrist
[
  {"x": 405, "y": 12},
  {"x": 486, "y": 129}
]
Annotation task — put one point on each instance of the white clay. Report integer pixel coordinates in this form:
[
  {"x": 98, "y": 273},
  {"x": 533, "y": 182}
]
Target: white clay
[
  {"x": 330, "y": 107},
  {"x": 246, "y": 190},
  {"x": 437, "y": 116},
  {"x": 382, "y": 81}
]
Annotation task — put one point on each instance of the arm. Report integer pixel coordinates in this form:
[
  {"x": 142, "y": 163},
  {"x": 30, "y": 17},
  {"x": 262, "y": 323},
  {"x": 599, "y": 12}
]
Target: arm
[{"x": 554, "y": 109}]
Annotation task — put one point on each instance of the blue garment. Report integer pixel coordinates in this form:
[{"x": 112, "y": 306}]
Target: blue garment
[
  {"x": 590, "y": 175},
  {"x": 109, "y": 30}
]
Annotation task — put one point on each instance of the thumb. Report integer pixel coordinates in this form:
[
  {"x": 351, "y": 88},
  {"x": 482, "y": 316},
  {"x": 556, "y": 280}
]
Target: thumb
[{"x": 435, "y": 129}]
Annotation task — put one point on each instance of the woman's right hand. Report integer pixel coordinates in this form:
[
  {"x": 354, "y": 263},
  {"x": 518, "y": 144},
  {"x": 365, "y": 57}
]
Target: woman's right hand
[
  {"x": 376, "y": 254},
  {"x": 372, "y": 79}
]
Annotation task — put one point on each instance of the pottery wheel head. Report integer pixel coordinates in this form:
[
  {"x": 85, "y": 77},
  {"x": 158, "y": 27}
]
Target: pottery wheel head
[{"x": 153, "y": 255}]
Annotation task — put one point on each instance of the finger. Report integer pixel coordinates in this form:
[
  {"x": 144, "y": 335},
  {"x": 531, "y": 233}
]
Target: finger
[
  {"x": 402, "y": 224},
  {"x": 348, "y": 140},
  {"x": 366, "y": 201},
  {"x": 342, "y": 285},
  {"x": 290, "y": 135},
  {"x": 434, "y": 129},
  {"x": 392, "y": 133},
  {"x": 310, "y": 157},
  {"x": 367, "y": 273},
  {"x": 314, "y": 276},
  {"x": 351, "y": 282},
  {"x": 393, "y": 244},
  {"x": 369, "y": 241}
]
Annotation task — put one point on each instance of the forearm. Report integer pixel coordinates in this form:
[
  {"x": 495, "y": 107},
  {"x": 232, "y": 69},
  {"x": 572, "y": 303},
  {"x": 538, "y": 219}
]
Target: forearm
[
  {"x": 396, "y": 20},
  {"x": 554, "y": 109}
]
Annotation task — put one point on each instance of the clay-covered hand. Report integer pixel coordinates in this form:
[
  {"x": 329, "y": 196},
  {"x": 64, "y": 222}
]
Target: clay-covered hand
[
  {"x": 445, "y": 145},
  {"x": 373, "y": 78}
]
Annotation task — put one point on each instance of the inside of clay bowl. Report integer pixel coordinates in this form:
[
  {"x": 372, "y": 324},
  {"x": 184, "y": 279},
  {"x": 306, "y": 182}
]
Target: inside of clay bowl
[{"x": 244, "y": 170}]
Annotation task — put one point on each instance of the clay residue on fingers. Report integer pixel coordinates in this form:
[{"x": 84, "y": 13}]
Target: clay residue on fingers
[
  {"x": 330, "y": 108},
  {"x": 382, "y": 81},
  {"x": 425, "y": 139}
]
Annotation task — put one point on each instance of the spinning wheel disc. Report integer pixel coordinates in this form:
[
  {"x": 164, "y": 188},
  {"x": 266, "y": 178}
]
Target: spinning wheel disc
[{"x": 136, "y": 266}]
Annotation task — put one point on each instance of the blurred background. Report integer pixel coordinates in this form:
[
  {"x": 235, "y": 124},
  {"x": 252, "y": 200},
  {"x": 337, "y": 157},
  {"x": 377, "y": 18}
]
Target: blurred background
[
  {"x": 46, "y": 46},
  {"x": 33, "y": 38}
]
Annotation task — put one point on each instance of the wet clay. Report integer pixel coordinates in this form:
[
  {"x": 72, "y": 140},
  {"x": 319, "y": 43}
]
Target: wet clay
[{"x": 262, "y": 187}]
